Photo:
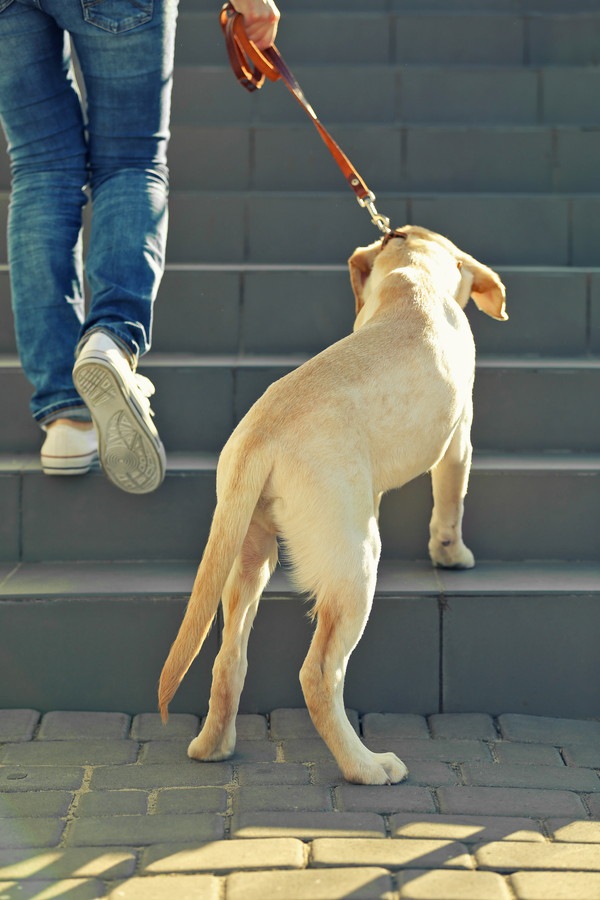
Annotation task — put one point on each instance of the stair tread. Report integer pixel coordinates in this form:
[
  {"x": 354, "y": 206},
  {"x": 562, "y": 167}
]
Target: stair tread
[
  {"x": 396, "y": 577},
  {"x": 483, "y": 460}
]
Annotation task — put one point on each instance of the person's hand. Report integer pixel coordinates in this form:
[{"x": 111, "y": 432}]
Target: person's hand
[{"x": 261, "y": 18}]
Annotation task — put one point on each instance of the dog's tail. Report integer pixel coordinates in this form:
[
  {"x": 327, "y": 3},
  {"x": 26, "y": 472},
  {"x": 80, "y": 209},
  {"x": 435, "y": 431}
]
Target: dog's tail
[{"x": 231, "y": 520}]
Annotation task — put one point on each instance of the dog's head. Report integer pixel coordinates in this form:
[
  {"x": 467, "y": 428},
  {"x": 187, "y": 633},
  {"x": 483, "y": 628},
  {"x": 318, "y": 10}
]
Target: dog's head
[{"x": 414, "y": 246}]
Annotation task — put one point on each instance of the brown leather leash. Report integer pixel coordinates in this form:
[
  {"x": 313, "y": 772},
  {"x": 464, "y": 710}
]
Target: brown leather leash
[{"x": 251, "y": 66}]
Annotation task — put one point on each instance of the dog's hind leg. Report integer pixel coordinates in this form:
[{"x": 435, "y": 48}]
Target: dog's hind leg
[
  {"x": 342, "y": 608},
  {"x": 449, "y": 482},
  {"x": 241, "y": 595}
]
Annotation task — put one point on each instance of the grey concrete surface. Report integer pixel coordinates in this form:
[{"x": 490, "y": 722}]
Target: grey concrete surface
[{"x": 76, "y": 824}]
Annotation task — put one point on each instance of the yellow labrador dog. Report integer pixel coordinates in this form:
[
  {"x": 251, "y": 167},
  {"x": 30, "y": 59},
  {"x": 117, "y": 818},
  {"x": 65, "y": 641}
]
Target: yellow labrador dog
[{"x": 309, "y": 463}]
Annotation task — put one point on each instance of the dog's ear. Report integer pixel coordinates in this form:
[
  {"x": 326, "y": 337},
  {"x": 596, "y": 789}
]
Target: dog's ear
[
  {"x": 360, "y": 264},
  {"x": 487, "y": 289}
]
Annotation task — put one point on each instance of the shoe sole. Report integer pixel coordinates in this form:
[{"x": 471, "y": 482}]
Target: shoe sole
[
  {"x": 71, "y": 465},
  {"x": 131, "y": 455}
]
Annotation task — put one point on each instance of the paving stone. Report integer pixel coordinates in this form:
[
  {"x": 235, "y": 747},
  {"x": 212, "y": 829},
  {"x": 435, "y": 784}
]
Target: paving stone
[
  {"x": 172, "y": 752},
  {"x": 431, "y": 773},
  {"x": 452, "y": 885},
  {"x": 509, "y": 802},
  {"x": 160, "y": 776},
  {"x": 468, "y": 829},
  {"x": 283, "y": 797},
  {"x": 225, "y": 856},
  {"x": 510, "y": 857},
  {"x": 556, "y": 885},
  {"x": 149, "y": 727},
  {"x": 582, "y": 755},
  {"x": 584, "y": 831},
  {"x": 594, "y": 804},
  {"x": 326, "y": 772},
  {"x": 140, "y": 831},
  {"x": 385, "y": 799},
  {"x": 440, "y": 749},
  {"x": 113, "y": 803},
  {"x": 274, "y": 773},
  {"x": 307, "y": 825},
  {"x": 70, "y": 753},
  {"x": 309, "y": 750},
  {"x": 421, "y": 854},
  {"x": 40, "y": 778},
  {"x": 192, "y": 800},
  {"x": 18, "y": 724},
  {"x": 30, "y": 832},
  {"x": 254, "y": 751},
  {"x": 84, "y": 862},
  {"x": 546, "y": 730},
  {"x": 475, "y": 726},
  {"x": 73, "y": 888},
  {"x": 394, "y": 725},
  {"x": 167, "y": 887},
  {"x": 331, "y": 884},
  {"x": 38, "y": 803},
  {"x": 175, "y": 752},
  {"x": 297, "y": 724},
  {"x": 84, "y": 726},
  {"x": 545, "y": 777},
  {"x": 527, "y": 754}
]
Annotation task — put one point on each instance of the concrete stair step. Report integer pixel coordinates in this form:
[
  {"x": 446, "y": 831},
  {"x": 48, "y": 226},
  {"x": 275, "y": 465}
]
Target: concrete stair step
[
  {"x": 442, "y": 158},
  {"x": 317, "y": 228},
  {"x": 520, "y": 506},
  {"x": 520, "y": 404},
  {"x": 452, "y": 36},
  {"x": 432, "y": 640},
  {"x": 393, "y": 92},
  {"x": 292, "y": 309},
  {"x": 403, "y": 6}
]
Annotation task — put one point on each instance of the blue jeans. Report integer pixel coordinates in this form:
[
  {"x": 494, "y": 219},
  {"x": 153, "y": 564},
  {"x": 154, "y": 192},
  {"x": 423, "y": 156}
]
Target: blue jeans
[{"x": 116, "y": 147}]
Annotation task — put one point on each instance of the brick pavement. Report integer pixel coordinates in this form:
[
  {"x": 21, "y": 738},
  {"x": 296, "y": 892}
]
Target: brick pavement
[{"x": 107, "y": 805}]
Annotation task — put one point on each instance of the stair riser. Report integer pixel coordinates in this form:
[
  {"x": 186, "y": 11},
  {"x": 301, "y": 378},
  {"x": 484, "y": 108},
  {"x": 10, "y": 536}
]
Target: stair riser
[
  {"x": 197, "y": 407},
  {"x": 509, "y": 515},
  {"x": 506, "y": 230},
  {"x": 416, "y": 656},
  {"x": 495, "y": 95},
  {"x": 301, "y": 312},
  {"x": 389, "y": 157},
  {"x": 374, "y": 36}
]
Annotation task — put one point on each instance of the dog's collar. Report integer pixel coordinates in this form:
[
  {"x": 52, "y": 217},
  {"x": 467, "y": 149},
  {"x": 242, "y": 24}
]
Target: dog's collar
[{"x": 392, "y": 234}]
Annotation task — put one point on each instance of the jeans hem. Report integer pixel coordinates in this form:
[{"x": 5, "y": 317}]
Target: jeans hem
[{"x": 70, "y": 410}]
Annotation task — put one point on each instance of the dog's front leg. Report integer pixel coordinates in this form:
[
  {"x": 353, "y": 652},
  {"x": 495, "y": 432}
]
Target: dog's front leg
[{"x": 450, "y": 478}]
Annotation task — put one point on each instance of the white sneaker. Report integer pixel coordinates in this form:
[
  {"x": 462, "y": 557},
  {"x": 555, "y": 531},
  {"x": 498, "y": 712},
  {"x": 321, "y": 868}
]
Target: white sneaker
[
  {"x": 131, "y": 452},
  {"x": 69, "y": 450}
]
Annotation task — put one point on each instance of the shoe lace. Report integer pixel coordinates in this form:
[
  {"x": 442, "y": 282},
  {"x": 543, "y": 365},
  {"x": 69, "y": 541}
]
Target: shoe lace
[{"x": 146, "y": 389}]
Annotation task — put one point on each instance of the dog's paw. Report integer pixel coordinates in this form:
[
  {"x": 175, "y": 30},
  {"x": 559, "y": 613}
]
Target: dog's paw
[
  {"x": 450, "y": 555},
  {"x": 210, "y": 751},
  {"x": 383, "y": 768}
]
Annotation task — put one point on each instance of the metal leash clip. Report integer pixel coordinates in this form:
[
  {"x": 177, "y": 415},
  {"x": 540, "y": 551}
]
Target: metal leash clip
[{"x": 380, "y": 221}]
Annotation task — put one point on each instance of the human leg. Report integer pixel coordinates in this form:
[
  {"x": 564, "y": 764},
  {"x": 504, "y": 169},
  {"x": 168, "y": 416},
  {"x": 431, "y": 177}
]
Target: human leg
[
  {"x": 127, "y": 60},
  {"x": 41, "y": 115},
  {"x": 128, "y": 78}
]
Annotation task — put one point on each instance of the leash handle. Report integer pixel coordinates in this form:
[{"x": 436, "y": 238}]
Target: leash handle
[{"x": 251, "y": 66}]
